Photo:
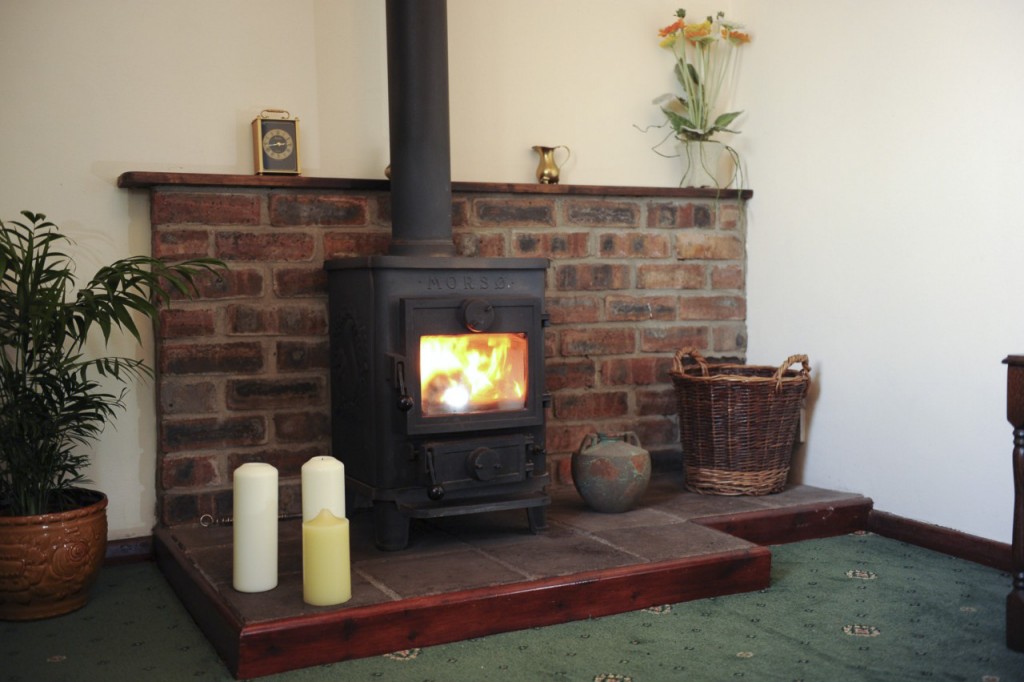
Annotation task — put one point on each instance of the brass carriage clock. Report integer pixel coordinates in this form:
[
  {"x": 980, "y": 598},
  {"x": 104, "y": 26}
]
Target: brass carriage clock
[{"x": 275, "y": 139}]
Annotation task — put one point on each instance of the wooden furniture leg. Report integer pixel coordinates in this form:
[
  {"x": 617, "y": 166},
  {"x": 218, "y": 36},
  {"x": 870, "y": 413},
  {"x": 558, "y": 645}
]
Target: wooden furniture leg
[{"x": 1015, "y": 415}]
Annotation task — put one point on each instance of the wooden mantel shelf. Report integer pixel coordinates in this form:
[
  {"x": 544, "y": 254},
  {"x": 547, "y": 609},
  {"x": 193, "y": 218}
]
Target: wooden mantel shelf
[{"x": 148, "y": 179}]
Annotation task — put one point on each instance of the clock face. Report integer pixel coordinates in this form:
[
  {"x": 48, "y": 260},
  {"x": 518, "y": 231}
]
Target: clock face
[{"x": 278, "y": 144}]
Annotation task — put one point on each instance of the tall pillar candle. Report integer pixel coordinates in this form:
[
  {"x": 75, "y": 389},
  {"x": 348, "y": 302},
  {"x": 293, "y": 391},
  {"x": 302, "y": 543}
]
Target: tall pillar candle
[
  {"x": 323, "y": 487},
  {"x": 255, "y": 528},
  {"x": 326, "y": 568}
]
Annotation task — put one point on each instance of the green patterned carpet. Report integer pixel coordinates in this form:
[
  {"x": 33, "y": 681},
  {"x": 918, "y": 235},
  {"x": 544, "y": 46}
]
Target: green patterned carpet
[{"x": 857, "y": 607}]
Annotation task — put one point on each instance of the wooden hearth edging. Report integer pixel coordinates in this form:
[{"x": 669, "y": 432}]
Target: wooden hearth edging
[{"x": 262, "y": 648}]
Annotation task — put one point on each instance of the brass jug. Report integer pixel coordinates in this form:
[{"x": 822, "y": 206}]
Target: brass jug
[{"x": 547, "y": 169}]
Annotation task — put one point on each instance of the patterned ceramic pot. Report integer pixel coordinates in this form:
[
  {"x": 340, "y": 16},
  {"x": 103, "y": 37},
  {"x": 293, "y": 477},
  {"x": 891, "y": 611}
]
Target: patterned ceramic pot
[
  {"x": 48, "y": 562},
  {"x": 611, "y": 472}
]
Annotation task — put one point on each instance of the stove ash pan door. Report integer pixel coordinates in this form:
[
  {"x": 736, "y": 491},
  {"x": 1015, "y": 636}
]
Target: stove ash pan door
[{"x": 472, "y": 364}]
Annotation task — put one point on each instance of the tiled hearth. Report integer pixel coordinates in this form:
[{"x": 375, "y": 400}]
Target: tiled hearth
[{"x": 470, "y": 576}]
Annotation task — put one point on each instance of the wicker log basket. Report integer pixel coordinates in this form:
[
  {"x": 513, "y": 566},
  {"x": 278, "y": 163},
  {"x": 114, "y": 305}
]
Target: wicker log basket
[{"x": 737, "y": 423}]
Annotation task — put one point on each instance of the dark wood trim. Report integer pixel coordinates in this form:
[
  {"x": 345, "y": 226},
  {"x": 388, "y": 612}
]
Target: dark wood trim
[
  {"x": 953, "y": 542},
  {"x": 149, "y": 179},
  {"x": 278, "y": 646},
  {"x": 129, "y": 550},
  {"x": 794, "y": 524}
]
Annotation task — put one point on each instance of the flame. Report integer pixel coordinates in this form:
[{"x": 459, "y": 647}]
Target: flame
[{"x": 473, "y": 373}]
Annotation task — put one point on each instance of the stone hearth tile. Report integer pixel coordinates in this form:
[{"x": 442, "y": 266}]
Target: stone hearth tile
[
  {"x": 795, "y": 495},
  {"x": 285, "y": 601},
  {"x": 508, "y": 526},
  {"x": 687, "y": 505},
  {"x": 674, "y": 541},
  {"x": 424, "y": 539},
  {"x": 415, "y": 574},
  {"x": 584, "y": 518},
  {"x": 545, "y": 557}
]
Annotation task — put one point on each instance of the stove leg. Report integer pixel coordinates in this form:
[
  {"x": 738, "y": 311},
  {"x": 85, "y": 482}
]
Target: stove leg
[
  {"x": 537, "y": 518},
  {"x": 390, "y": 526}
]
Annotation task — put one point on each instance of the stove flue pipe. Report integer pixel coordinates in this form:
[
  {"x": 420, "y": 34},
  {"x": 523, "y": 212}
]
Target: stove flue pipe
[{"x": 421, "y": 183}]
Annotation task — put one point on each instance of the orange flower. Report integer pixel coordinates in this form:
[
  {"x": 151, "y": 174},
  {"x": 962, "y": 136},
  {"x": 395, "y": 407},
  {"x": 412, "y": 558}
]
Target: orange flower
[
  {"x": 695, "y": 32},
  {"x": 738, "y": 37},
  {"x": 671, "y": 28}
]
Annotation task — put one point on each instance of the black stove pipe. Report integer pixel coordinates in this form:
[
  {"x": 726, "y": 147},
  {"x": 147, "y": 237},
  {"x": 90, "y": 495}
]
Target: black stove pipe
[{"x": 421, "y": 183}]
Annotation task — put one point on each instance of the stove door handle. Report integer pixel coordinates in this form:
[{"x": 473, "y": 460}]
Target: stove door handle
[
  {"x": 436, "y": 490},
  {"x": 405, "y": 401}
]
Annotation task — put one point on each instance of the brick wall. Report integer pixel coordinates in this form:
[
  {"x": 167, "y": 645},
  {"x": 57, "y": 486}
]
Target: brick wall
[{"x": 242, "y": 371}]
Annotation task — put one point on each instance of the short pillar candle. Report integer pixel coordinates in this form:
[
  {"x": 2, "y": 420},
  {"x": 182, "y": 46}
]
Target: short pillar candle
[
  {"x": 326, "y": 571},
  {"x": 323, "y": 487},
  {"x": 254, "y": 566}
]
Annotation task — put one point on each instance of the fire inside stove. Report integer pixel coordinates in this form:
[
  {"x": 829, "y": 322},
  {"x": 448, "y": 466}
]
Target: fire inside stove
[{"x": 473, "y": 373}]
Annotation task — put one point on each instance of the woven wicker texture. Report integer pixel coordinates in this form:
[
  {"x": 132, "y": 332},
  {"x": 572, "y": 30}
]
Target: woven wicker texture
[{"x": 737, "y": 423}]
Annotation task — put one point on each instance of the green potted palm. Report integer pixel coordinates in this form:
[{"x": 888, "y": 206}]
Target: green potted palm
[{"x": 54, "y": 402}]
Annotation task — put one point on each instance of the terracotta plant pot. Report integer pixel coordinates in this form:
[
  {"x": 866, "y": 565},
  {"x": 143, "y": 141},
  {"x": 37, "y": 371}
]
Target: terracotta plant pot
[{"x": 48, "y": 562}]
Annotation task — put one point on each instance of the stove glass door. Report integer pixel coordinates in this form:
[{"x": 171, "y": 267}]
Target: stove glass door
[{"x": 473, "y": 373}]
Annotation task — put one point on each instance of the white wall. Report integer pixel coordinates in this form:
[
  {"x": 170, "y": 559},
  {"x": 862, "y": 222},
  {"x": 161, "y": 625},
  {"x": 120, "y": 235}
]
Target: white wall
[{"x": 881, "y": 141}]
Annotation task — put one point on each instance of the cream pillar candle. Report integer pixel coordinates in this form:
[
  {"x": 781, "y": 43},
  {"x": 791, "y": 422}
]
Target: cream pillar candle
[
  {"x": 323, "y": 487},
  {"x": 326, "y": 571},
  {"x": 255, "y": 528}
]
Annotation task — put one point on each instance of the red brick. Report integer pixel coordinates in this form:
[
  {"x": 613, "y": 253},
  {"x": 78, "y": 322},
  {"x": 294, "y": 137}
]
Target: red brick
[
  {"x": 293, "y": 282},
  {"x": 657, "y": 433},
  {"x": 460, "y": 212},
  {"x": 317, "y": 209},
  {"x": 551, "y": 244},
  {"x": 602, "y": 213},
  {"x": 206, "y": 434},
  {"x": 211, "y": 357},
  {"x": 294, "y": 356},
  {"x": 561, "y": 437},
  {"x": 589, "y": 277},
  {"x": 573, "y": 310},
  {"x": 301, "y": 427},
  {"x": 302, "y": 321},
  {"x": 181, "y": 244},
  {"x": 179, "y": 509},
  {"x": 560, "y": 467},
  {"x": 513, "y": 211},
  {"x": 636, "y": 371},
  {"x": 670, "y": 339},
  {"x": 730, "y": 216},
  {"x": 615, "y": 341},
  {"x": 213, "y": 208},
  {"x": 287, "y": 462},
  {"x": 338, "y": 244},
  {"x": 590, "y": 405},
  {"x": 694, "y": 245},
  {"x": 187, "y": 472},
  {"x": 633, "y": 245},
  {"x": 250, "y": 394},
  {"x": 263, "y": 246},
  {"x": 288, "y": 320},
  {"x": 230, "y": 284},
  {"x": 187, "y": 397},
  {"x": 712, "y": 308},
  {"x": 176, "y": 324},
  {"x": 656, "y": 402},
  {"x": 639, "y": 308},
  {"x": 570, "y": 374},
  {"x": 480, "y": 245},
  {"x": 730, "y": 338},
  {"x": 727, "y": 277},
  {"x": 675, "y": 276},
  {"x": 675, "y": 215}
]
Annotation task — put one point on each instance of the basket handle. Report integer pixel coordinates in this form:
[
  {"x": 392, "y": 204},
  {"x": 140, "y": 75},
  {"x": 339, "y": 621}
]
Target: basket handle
[
  {"x": 677, "y": 360},
  {"x": 791, "y": 360}
]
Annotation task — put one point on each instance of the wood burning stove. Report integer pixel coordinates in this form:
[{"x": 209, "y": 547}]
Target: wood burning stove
[
  {"x": 437, "y": 362},
  {"x": 437, "y": 387}
]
